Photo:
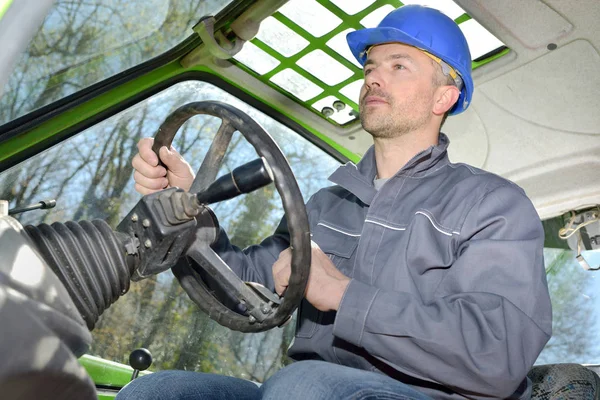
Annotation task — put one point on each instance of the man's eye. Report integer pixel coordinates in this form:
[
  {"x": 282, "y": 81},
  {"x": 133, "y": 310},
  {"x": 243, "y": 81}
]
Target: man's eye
[
  {"x": 399, "y": 66},
  {"x": 368, "y": 71}
]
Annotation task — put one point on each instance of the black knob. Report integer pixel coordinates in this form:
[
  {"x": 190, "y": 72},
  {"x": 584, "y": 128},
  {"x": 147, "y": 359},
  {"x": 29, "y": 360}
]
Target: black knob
[
  {"x": 140, "y": 360},
  {"x": 243, "y": 179}
]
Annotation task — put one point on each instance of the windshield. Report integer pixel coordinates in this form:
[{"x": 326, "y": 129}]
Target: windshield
[
  {"x": 90, "y": 176},
  {"x": 82, "y": 42}
]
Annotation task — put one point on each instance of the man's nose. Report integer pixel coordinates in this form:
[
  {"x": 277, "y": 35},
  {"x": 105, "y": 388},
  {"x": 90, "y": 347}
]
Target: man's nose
[{"x": 373, "y": 78}]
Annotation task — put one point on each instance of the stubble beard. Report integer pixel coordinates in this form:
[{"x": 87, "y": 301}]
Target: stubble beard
[
  {"x": 393, "y": 123},
  {"x": 389, "y": 125},
  {"x": 379, "y": 125}
]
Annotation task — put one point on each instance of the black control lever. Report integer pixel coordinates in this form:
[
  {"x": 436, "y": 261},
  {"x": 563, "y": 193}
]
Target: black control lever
[
  {"x": 140, "y": 360},
  {"x": 244, "y": 179}
]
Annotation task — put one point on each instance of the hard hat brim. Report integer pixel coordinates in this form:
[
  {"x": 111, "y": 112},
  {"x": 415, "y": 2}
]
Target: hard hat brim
[{"x": 360, "y": 41}]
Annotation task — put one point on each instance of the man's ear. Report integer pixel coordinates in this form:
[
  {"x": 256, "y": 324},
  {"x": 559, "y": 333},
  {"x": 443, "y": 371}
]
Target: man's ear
[{"x": 445, "y": 98}]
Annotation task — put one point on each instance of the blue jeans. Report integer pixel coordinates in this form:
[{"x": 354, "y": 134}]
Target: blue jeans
[{"x": 302, "y": 380}]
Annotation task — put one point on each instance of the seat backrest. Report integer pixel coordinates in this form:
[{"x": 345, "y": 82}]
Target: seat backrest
[{"x": 564, "y": 382}]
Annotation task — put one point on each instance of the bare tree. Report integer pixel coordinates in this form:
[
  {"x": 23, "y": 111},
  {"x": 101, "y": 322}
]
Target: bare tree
[{"x": 572, "y": 312}]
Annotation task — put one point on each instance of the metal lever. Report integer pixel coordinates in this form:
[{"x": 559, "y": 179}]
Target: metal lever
[
  {"x": 244, "y": 179},
  {"x": 42, "y": 205}
]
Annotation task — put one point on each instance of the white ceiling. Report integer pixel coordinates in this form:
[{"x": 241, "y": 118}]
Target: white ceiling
[{"x": 535, "y": 116}]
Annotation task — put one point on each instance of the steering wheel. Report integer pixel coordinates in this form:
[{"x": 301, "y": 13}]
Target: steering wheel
[{"x": 265, "y": 309}]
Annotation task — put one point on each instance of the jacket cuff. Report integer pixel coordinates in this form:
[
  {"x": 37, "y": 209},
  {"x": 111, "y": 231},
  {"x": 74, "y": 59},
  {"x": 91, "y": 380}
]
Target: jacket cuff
[{"x": 352, "y": 313}]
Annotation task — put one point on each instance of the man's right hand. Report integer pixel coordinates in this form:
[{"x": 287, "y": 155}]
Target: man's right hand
[{"x": 150, "y": 177}]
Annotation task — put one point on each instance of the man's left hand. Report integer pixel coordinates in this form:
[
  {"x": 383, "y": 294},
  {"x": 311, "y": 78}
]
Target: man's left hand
[{"x": 326, "y": 284}]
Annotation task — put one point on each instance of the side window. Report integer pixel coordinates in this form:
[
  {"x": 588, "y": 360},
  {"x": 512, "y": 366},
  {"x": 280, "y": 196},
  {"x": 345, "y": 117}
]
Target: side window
[
  {"x": 575, "y": 308},
  {"x": 90, "y": 176}
]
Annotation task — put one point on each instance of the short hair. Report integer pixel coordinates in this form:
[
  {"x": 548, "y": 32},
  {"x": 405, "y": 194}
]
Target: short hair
[{"x": 441, "y": 79}]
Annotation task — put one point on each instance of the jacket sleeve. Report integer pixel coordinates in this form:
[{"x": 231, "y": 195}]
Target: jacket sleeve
[
  {"x": 491, "y": 316},
  {"x": 254, "y": 263}
]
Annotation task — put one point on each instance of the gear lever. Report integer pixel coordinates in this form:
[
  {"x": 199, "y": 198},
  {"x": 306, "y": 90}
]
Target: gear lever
[{"x": 140, "y": 360}]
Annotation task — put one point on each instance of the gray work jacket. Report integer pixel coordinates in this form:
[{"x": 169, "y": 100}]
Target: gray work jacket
[{"x": 448, "y": 290}]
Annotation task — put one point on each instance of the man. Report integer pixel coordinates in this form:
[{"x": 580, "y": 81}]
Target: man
[{"x": 429, "y": 281}]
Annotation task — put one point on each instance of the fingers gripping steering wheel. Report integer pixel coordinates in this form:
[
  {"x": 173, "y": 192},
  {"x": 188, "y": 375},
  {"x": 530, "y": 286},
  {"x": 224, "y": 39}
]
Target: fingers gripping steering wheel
[{"x": 264, "y": 309}]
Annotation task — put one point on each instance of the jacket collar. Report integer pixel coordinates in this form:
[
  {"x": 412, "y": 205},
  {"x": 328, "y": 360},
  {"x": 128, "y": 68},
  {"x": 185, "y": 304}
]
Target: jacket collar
[{"x": 358, "y": 178}]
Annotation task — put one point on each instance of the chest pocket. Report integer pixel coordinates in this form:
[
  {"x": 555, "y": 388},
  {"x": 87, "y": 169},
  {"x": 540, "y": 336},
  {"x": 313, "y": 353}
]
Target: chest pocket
[{"x": 340, "y": 245}]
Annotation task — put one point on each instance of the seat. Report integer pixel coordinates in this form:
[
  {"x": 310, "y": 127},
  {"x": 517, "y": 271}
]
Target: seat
[{"x": 564, "y": 382}]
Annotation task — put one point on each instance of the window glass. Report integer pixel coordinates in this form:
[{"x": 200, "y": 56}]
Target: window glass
[
  {"x": 448, "y": 7},
  {"x": 324, "y": 67},
  {"x": 255, "y": 58},
  {"x": 339, "y": 44},
  {"x": 82, "y": 42},
  {"x": 90, "y": 176},
  {"x": 352, "y": 91},
  {"x": 296, "y": 84},
  {"x": 575, "y": 295},
  {"x": 351, "y": 7},
  {"x": 310, "y": 16},
  {"x": 373, "y": 19},
  {"x": 280, "y": 38}
]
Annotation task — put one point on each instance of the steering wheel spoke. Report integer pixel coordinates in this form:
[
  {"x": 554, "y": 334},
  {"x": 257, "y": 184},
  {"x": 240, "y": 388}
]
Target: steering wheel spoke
[
  {"x": 214, "y": 158},
  {"x": 257, "y": 307}
]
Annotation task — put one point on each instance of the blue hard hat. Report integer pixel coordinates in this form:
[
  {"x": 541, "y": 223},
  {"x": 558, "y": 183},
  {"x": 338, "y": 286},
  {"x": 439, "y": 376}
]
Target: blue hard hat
[{"x": 427, "y": 29}]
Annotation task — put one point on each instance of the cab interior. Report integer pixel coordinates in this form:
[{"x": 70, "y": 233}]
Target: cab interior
[{"x": 93, "y": 77}]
